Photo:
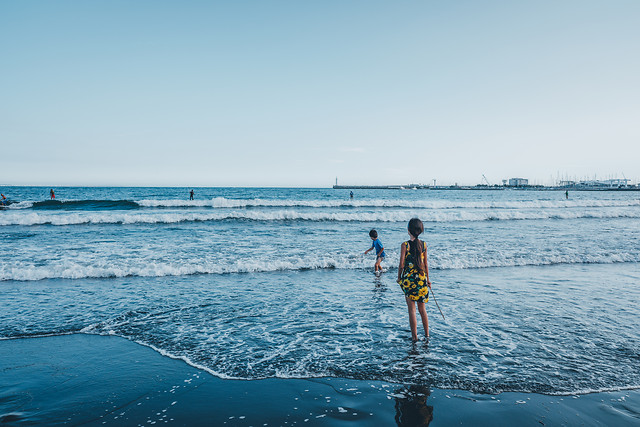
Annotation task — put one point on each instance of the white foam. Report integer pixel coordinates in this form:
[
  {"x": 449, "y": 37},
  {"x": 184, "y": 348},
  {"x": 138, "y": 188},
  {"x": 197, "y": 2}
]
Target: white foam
[
  {"x": 188, "y": 361},
  {"x": 595, "y": 390},
  {"x": 226, "y": 203},
  {"x": 20, "y": 205},
  {"x": 79, "y": 218},
  {"x": 222, "y": 202},
  {"x": 91, "y": 268}
]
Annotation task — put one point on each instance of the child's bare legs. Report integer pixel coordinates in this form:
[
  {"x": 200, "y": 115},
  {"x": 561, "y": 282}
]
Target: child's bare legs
[
  {"x": 377, "y": 266},
  {"x": 425, "y": 320},
  {"x": 413, "y": 323}
]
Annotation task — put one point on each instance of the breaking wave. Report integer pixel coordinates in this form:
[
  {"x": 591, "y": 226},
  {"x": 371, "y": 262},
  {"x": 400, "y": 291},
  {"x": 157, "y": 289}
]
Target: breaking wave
[
  {"x": 222, "y": 202},
  {"x": 72, "y": 269},
  {"x": 32, "y": 218},
  {"x": 226, "y": 203},
  {"x": 76, "y": 205}
]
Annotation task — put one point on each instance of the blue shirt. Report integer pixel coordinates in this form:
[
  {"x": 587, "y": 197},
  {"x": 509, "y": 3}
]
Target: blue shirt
[{"x": 379, "y": 248}]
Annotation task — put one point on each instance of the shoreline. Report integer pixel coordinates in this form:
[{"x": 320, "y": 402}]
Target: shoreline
[
  {"x": 631, "y": 187},
  {"x": 96, "y": 380},
  {"x": 477, "y": 188}
]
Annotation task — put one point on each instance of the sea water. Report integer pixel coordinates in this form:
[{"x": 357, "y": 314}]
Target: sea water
[{"x": 540, "y": 293}]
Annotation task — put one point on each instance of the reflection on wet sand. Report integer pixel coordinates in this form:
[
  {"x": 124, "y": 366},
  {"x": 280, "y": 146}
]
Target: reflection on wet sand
[{"x": 411, "y": 406}]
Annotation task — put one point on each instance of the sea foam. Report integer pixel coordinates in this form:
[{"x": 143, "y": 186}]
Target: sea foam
[
  {"x": 227, "y": 203},
  {"x": 73, "y": 269},
  {"x": 79, "y": 218}
]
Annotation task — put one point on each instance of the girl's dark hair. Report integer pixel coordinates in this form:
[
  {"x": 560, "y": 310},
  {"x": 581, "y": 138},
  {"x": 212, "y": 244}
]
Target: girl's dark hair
[
  {"x": 374, "y": 234},
  {"x": 416, "y": 246}
]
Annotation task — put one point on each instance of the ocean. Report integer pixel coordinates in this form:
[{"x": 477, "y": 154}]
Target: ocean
[{"x": 540, "y": 294}]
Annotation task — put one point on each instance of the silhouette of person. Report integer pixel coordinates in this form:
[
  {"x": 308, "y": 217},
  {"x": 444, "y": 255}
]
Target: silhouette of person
[
  {"x": 191, "y": 195},
  {"x": 52, "y": 194},
  {"x": 566, "y": 194},
  {"x": 351, "y": 194}
]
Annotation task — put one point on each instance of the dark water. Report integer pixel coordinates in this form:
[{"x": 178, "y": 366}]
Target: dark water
[{"x": 540, "y": 293}]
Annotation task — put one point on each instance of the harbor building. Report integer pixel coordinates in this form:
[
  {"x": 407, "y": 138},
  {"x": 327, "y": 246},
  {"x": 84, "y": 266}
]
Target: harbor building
[
  {"x": 518, "y": 182},
  {"x": 597, "y": 184}
]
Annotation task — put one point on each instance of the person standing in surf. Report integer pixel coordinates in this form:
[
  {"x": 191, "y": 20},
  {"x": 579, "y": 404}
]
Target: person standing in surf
[
  {"x": 413, "y": 277},
  {"x": 380, "y": 254},
  {"x": 191, "y": 195},
  {"x": 52, "y": 194}
]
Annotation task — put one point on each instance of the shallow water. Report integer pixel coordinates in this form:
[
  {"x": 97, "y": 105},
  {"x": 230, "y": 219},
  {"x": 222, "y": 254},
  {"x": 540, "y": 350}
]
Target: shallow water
[{"x": 540, "y": 294}]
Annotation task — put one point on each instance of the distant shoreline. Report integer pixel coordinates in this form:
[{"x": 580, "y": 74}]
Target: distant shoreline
[
  {"x": 478, "y": 187},
  {"x": 348, "y": 187}
]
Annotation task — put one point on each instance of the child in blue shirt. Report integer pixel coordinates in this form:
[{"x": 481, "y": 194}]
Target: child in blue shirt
[{"x": 377, "y": 245}]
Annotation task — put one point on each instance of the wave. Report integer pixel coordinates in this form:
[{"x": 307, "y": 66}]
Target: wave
[
  {"x": 26, "y": 219},
  {"x": 221, "y": 202},
  {"x": 386, "y": 382},
  {"x": 225, "y": 203},
  {"x": 80, "y": 205},
  {"x": 307, "y": 373},
  {"x": 71, "y": 269}
]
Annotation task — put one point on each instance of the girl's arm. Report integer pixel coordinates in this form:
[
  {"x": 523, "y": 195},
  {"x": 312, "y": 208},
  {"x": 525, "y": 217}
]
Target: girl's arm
[
  {"x": 403, "y": 250},
  {"x": 426, "y": 266}
]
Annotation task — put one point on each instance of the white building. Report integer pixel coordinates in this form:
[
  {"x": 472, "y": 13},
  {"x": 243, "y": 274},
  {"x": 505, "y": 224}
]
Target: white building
[
  {"x": 518, "y": 182},
  {"x": 597, "y": 184}
]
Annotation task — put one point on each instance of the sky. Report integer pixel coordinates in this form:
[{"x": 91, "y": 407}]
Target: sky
[{"x": 299, "y": 93}]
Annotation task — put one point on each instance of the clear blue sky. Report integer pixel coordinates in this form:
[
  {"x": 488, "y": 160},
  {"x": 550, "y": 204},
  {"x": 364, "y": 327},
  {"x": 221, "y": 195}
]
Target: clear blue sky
[{"x": 295, "y": 93}]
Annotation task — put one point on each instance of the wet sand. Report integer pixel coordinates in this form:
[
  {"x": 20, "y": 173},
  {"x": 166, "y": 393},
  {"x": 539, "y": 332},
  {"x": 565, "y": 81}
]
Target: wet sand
[{"x": 84, "y": 379}]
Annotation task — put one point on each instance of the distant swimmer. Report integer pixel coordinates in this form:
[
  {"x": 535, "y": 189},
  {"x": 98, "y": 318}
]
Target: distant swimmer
[
  {"x": 413, "y": 277},
  {"x": 52, "y": 194},
  {"x": 191, "y": 195},
  {"x": 351, "y": 194},
  {"x": 566, "y": 194},
  {"x": 377, "y": 245}
]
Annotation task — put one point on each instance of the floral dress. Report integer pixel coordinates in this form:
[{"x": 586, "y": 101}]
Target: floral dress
[{"x": 412, "y": 281}]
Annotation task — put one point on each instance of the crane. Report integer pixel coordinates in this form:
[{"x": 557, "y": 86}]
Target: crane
[{"x": 486, "y": 180}]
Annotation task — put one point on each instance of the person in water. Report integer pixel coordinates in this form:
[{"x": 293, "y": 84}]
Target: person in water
[
  {"x": 377, "y": 245},
  {"x": 4, "y": 199},
  {"x": 413, "y": 277},
  {"x": 566, "y": 194},
  {"x": 351, "y": 194},
  {"x": 52, "y": 194},
  {"x": 191, "y": 195}
]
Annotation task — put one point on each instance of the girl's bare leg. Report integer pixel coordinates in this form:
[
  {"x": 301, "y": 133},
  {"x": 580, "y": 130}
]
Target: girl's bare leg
[
  {"x": 413, "y": 323},
  {"x": 425, "y": 320}
]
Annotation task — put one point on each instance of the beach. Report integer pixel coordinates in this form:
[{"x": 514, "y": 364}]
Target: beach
[
  {"x": 96, "y": 380},
  {"x": 189, "y": 193},
  {"x": 118, "y": 302}
]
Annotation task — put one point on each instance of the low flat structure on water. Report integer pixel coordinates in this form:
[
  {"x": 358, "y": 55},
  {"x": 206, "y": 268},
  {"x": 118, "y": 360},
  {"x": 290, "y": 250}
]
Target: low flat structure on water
[{"x": 485, "y": 187}]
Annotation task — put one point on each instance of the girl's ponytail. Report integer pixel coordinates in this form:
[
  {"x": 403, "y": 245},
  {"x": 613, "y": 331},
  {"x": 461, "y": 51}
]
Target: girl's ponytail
[{"x": 416, "y": 246}]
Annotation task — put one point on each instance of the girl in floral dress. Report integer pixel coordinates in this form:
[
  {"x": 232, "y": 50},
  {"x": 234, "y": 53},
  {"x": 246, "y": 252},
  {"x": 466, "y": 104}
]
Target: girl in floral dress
[{"x": 413, "y": 277}]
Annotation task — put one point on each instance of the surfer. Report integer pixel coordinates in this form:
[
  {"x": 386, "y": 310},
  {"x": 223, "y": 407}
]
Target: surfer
[
  {"x": 413, "y": 277},
  {"x": 377, "y": 244},
  {"x": 351, "y": 194},
  {"x": 52, "y": 194},
  {"x": 4, "y": 199},
  {"x": 191, "y": 195},
  {"x": 566, "y": 194}
]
